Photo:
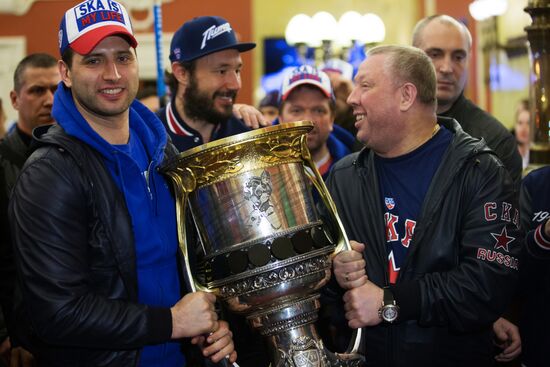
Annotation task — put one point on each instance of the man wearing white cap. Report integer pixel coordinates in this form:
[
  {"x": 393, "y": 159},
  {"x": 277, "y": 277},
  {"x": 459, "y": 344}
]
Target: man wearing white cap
[
  {"x": 306, "y": 94},
  {"x": 93, "y": 220}
]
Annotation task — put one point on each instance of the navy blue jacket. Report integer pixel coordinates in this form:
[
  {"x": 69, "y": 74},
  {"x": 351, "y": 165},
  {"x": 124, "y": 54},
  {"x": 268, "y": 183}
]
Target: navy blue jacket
[
  {"x": 340, "y": 143},
  {"x": 535, "y": 269}
]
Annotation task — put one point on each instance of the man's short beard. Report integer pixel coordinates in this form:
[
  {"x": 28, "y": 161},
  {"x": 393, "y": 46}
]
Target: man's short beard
[{"x": 198, "y": 105}]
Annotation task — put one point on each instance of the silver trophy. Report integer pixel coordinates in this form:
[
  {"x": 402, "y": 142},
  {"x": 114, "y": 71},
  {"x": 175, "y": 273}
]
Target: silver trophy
[{"x": 262, "y": 248}]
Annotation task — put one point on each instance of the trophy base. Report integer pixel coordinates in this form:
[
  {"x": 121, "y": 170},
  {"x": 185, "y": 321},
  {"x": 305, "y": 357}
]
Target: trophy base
[{"x": 292, "y": 338}]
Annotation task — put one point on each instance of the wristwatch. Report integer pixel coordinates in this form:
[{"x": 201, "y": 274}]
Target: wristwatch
[{"x": 389, "y": 311}]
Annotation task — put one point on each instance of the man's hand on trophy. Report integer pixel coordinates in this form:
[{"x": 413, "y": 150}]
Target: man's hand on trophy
[
  {"x": 362, "y": 304},
  {"x": 194, "y": 315},
  {"x": 250, "y": 116},
  {"x": 218, "y": 345},
  {"x": 349, "y": 267}
]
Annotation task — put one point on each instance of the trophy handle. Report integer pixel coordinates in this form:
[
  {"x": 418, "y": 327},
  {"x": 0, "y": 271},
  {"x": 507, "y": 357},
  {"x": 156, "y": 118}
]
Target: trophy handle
[
  {"x": 184, "y": 183},
  {"x": 315, "y": 177},
  {"x": 342, "y": 242}
]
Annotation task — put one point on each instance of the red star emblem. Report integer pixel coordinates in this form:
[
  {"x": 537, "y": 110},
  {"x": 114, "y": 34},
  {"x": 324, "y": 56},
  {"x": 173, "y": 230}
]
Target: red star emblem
[{"x": 502, "y": 239}]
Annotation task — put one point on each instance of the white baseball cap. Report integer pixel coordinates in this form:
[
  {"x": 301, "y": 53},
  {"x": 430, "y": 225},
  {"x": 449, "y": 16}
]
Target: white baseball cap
[
  {"x": 306, "y": 74},
  {"x": 88, "y": 23}
]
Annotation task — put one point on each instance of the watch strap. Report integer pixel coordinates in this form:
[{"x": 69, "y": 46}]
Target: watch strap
[{"x": 388, "y": 297}]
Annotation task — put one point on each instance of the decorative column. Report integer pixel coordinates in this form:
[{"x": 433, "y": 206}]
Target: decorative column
[{"x": 538, "y": 34}]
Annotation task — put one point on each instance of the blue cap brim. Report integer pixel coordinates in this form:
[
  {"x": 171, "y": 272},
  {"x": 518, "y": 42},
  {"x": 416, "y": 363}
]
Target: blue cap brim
[{"x": 241, "y": 47}]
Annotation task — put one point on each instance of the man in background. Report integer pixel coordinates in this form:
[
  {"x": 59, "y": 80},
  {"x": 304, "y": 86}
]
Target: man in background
[
  {"x": 269, "y": 106},
  {"x": 306, "y": 94},
  {"x": 206, "y": 64},
  {"x": 448, "y": 43},
  {"x": 34, "y": 83}
]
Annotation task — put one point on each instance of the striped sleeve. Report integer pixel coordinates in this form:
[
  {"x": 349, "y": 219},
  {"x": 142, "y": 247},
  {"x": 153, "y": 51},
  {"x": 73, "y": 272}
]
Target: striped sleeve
[
  {"x": 541, "y": 239},
  {"x": 538, "y": 242}
]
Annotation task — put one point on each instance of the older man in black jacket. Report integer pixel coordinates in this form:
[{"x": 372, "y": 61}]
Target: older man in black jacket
[{"x": 435, "y": 218}]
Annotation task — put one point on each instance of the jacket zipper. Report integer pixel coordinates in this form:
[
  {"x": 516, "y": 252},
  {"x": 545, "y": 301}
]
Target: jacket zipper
[{"x": 147, "y": 174}]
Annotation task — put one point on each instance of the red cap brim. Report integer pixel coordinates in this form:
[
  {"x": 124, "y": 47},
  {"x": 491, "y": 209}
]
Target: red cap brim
[{"x": 88, "y": 41}]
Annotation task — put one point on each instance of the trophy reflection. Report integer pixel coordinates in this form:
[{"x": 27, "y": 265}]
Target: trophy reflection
[{"x": 262, "y": 247}]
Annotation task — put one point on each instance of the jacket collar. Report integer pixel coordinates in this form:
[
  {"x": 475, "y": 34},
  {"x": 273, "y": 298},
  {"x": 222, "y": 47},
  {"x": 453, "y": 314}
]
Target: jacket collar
[
  {"x": 456, "y": 108},
  {"x": 466, "y": 144}
]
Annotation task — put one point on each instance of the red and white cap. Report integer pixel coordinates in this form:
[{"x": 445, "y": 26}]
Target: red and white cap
[
  {"x": 86, "y": 24},
  {"x": 306, "y": 74}
]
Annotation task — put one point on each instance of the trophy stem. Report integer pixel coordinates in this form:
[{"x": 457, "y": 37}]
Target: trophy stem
[{"x": 292, "y": 339}]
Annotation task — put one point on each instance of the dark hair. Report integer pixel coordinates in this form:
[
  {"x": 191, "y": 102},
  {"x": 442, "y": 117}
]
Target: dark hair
[
  {"x": 271, "y": 99},
  {"x": 189, "y": 66},
  {"x": 524, "y": 104},
  {"x": 67, "y": 57},
  {"x": 410, "y": 65},
  {"x": 38, "y": 60}
]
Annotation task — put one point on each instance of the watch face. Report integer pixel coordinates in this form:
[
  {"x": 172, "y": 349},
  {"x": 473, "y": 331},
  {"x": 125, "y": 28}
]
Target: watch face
[{"x": 390, "y": 313}]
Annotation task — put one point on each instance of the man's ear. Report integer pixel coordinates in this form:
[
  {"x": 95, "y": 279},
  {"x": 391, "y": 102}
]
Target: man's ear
[
  {"x": 408, "y": 96},
  {"x": 14, "y": 100},
  {"x": 181, "y": 74},
  {"x": 65, "y": 73}
]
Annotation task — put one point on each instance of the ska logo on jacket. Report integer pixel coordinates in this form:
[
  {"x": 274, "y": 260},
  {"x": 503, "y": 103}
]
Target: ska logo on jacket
[
  {"x": 503, "y": 240},
  {"x": 390, "y": 203},
  {"x": 504, "y": 213},
  {"x": 499, "y": 254}
]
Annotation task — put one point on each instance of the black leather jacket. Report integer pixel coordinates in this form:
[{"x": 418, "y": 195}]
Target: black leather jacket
[
  {"x": 455, "y": 281},
  {"x": 13, "y": 153},
  {"x": 480, "y": 124},
  {"x": 94, "y": 320}
]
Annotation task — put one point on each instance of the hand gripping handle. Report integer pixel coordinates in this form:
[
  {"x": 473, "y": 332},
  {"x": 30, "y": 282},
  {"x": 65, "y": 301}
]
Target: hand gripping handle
[{"x": 342, "y": 242}]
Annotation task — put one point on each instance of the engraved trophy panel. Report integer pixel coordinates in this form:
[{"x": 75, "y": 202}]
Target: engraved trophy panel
[{"x": 252, "y": 207}]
